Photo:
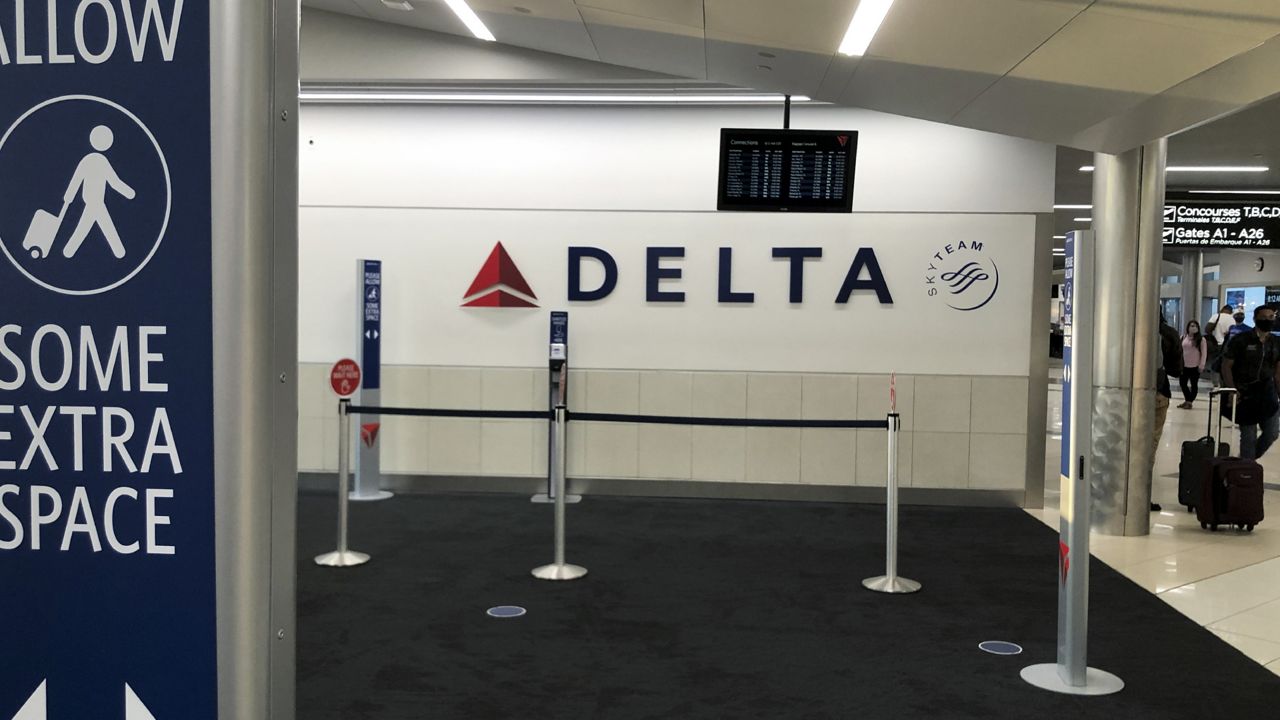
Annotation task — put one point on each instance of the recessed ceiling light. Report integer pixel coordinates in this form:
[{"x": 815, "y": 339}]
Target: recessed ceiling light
[
  {"x": 522, "y": 10},
  {"x": 1059, "y": 237},
  {"x": 866, "y": 22},
  {"x": 1234, "y": 192},
  {"x": 398, "y": 4},
  {"x": 470, "y": 19},
  {"x": 764, "y": 54},
  {"x": 1072, "y": 207},
  {"x": 1089, "y": 219},
  {"x": 1206, "y": 168},
  {"x": 766, "y": 68}
]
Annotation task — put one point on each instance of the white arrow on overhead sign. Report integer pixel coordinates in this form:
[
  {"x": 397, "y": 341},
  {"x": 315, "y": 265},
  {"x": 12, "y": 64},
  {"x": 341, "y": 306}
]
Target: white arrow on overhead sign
[{"x": 36, "y": 707}]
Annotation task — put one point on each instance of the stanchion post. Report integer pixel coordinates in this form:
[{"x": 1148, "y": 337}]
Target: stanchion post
[
  {"x": 559, "y": 570},
  {"x": 343, "y": 556},
  {"x": 890, "y": 582}
]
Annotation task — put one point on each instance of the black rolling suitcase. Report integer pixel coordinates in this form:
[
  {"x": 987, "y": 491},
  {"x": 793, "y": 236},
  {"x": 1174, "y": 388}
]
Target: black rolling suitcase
[
  {"x": 1231, "y": 491},
  {"x": 1197, "y": 455}
]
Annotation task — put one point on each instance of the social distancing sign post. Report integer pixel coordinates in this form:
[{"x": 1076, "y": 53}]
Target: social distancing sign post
[{"x": 107, "y": 473}]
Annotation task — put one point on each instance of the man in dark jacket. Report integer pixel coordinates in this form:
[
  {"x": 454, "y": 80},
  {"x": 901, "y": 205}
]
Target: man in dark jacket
[
  {"x": 1251, "y": 365},
  {"x": 1170, "y": 352}
]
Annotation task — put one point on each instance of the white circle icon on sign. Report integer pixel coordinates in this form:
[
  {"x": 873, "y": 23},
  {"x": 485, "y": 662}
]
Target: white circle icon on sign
[{"x": 85, "y": 195}]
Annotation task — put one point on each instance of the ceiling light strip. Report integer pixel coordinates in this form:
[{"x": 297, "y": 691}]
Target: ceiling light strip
[
  {"x": 1205, "y": 168},
  {"x": 362, "y": 97},
  {"x": 1072, "y": 207},
  {"x": 1234, "y": 192},
  {"x": 864, "y": 26},
  {"x": 470, "y": 19}
]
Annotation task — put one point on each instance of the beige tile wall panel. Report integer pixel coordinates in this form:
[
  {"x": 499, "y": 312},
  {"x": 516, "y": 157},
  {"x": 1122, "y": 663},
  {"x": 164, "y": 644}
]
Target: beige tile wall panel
[
  {"x": 943, "y": 404},
  {"x": 829, "y": 397},
  {"x": 872, "y": 458},
  {"x": 997, "y": 462},
  {"x": 968, "y": 434},
  {"x": 773, "y": 395},
  {"x": 665, "y": 452},
  {"x": 719, "y": 453},
  {"x": 612, "y": 450},
  {"x": 999, "y": 405},
  {"x": 828, "y": 457},
  {"x": 940, "y": 460},
  {"x": 773, "y": 455},
  {"x": 873, "y": 398}
]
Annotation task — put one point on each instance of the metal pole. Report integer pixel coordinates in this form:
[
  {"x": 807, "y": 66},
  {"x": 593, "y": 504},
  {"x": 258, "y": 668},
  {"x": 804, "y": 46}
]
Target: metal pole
[
  {"x": 343, "y": 556},
  {"x": 890, "y": 582},
  {"x": 559, "y": 570},
  {"x": 786, "y": 114},
  {"x": 1071, "y": 673}
]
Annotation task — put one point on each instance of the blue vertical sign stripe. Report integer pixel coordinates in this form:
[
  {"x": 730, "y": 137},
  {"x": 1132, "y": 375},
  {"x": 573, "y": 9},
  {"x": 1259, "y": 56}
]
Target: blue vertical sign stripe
[
  {"x": 1068, "y": 298},
  {"x": 559, "y": 328},
  {"x": 107, "y": 541},
  {"x": 371, "y": 336}
]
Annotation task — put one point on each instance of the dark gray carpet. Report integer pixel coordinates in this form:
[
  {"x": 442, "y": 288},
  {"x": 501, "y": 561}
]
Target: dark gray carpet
[{"x": 715, "y": 609}]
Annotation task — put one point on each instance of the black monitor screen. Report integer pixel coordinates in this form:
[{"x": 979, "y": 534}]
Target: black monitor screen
[{"x": 787, "y": 170}]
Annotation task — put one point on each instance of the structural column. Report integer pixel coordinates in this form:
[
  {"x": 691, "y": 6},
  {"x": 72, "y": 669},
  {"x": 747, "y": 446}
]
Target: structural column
[
  {"x": 1128, "y": 202},
  {"x": 1192, "y": 288}
]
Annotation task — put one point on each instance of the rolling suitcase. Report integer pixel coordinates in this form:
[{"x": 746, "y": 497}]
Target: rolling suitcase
[
  {"x": 1194, "y": 465},
  {"x": 1231, "y": 493}
]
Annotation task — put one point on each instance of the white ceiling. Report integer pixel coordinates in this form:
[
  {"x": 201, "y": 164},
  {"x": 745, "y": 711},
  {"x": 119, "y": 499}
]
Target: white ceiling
[{"x": 1103, "y": 75}]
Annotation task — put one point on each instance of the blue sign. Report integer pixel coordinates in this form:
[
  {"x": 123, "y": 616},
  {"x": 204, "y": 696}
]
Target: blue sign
[
  {"x": 107, "y": 548},
  {"x": 559, "y": 328},
  {"x": 371, "y": 328},
  {"x": 1068, "y": 295}
]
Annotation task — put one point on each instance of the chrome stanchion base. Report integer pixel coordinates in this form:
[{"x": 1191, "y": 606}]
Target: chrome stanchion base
[
  {"x": 894, "y": 585},
  {"x": 545, "y": 499},
  {"x": 371, "y": 497},
  {"x": 559, "y": 572},
  {"x": 1096, "y": 682},
  {"x": 350, "y": 558}
]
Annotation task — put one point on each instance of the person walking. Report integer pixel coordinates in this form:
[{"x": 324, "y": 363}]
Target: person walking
[
  {"x": 1170, "y": 364},
  {"x": 1240, "y": 326},
  {"x": 1222, "y": 323},
  {"x": 1195, "y": 352},
  {"x": 1251, "y": 364}
]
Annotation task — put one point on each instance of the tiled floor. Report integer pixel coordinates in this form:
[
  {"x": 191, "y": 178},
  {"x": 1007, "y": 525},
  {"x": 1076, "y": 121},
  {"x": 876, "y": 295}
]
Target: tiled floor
[{"x": 1227, "y": 581}]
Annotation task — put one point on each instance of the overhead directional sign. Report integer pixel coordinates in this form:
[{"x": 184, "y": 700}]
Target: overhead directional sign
[
  {"x": 107, "y": 545},
  {"x": 1221, "y": 224}
]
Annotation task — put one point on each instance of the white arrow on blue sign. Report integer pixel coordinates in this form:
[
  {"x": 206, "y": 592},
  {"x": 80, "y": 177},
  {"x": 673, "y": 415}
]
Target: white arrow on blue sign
[{"x": 36, "y": 707}]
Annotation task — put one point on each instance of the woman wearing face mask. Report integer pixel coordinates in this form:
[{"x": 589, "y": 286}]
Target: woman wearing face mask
[{"x": 1194, "y": 353}]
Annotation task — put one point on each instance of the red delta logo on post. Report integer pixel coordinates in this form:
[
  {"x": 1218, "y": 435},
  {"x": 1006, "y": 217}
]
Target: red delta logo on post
[
  {"x": 369, "y": 433},
  {"x": 1064, "y": 560},
  {"x": 499, "y": 284}
]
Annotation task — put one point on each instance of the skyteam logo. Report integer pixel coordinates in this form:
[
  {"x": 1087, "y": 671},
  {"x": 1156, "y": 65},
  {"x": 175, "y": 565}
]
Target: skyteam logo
[{"x": 963, "y": 275}]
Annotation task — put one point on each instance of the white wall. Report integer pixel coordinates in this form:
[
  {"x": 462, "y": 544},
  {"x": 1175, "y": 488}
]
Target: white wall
[
  {"x": 431, "y": 189},
  {"x": 647, "y": 158}
]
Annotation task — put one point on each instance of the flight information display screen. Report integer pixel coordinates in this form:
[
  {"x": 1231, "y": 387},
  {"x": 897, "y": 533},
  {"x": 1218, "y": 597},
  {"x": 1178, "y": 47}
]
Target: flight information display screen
[{"x": 787, "y": 170}]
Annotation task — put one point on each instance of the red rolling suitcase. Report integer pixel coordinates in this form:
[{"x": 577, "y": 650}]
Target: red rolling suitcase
[{"x": 1231, "y": 493}]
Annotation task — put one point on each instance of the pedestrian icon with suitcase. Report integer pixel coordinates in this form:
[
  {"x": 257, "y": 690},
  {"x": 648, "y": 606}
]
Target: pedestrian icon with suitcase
[{"x": 92, "y": 177}]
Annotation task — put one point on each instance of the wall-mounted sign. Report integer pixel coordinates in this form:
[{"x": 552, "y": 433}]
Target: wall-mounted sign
[
  {"x": 787, "y": 170},
  {"x": 1221, "y": 224},
  {"x": 107, "y": 493}
]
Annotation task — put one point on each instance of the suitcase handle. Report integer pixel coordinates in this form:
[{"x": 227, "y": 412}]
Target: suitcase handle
[{"x": 1209, "y": 421}]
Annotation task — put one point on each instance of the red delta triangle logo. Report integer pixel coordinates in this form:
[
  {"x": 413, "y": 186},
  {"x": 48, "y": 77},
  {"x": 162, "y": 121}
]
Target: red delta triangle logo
[{"x": 499, "y": 284}]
